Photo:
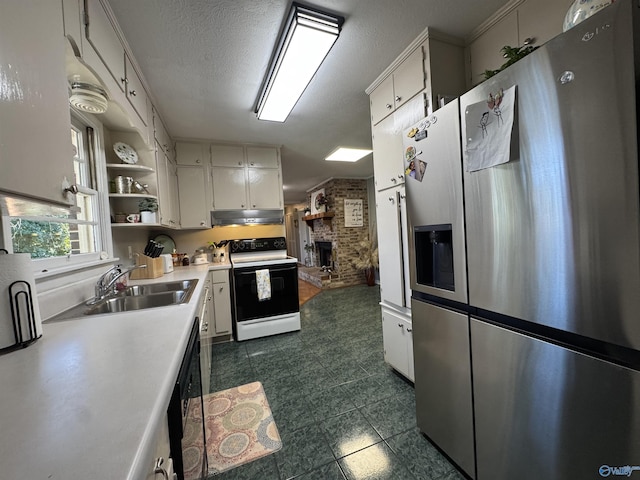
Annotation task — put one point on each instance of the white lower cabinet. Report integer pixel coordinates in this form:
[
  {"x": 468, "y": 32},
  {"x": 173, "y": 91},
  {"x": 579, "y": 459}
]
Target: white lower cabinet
[
  {"x": 161, "y": 466},
  {"x": 397, "y": 338},
  {"x": 221, "y": 302},
  {"x": 217, "y": 322}
]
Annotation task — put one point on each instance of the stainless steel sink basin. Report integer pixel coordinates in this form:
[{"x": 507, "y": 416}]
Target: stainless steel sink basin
[
  {"x": 136, "y": 290},
  {"x": 129, "y": 303},
  {"x": 139, "y": 297}
]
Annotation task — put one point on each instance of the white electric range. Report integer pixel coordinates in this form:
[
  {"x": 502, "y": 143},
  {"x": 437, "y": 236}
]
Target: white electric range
[{"x": 265, "y": 288}]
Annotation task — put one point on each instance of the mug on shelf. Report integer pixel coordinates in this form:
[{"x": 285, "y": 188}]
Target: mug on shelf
[{"x": 133, "y": 218}]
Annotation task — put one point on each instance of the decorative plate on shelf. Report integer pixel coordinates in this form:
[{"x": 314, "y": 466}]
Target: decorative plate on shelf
[
  {"x": 125, "y": 153},
  {"x": 167, "y": 242}
]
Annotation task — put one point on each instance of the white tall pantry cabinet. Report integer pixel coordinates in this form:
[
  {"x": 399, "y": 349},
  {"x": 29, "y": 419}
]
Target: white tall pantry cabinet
[{"x": 430, "y": 69}]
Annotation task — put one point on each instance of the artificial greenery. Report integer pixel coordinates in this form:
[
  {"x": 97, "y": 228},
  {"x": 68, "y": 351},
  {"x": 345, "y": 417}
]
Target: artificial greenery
[
  {"x": 512, "y": 54},
  {"x": 148, "y": 205}
]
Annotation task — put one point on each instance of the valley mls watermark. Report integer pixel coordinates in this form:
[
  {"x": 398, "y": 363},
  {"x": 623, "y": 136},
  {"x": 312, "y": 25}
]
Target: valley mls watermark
[{"x": 625, "y": 471}]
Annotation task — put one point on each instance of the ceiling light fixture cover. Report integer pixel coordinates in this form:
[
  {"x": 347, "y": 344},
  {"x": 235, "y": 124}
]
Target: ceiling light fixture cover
[
  {"x": 344, "y": 154},
  {"x": 88, "y": 98},
  {"x": 306, "y": 39}
]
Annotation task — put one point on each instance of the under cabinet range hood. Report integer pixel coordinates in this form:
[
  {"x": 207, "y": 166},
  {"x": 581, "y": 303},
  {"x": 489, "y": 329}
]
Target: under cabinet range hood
[{"x": 246, "y": 217}]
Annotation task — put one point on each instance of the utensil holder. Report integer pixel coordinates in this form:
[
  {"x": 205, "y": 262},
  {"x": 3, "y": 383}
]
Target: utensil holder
[{"x": 154, "y": 268}]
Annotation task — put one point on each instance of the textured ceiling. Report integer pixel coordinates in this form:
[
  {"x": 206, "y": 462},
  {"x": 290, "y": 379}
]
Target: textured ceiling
[{"x": 205, "y": 61}]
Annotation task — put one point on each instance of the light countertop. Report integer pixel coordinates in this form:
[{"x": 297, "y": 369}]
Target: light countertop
[{"x": 86, "y": 399}]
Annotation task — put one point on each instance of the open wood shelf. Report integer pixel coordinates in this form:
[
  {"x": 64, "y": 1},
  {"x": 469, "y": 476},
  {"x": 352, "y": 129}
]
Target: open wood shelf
[{"x": 325, "y": 216}]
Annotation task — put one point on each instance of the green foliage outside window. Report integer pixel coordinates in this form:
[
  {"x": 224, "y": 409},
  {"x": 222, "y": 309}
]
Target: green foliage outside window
[{"x": 40, "y": 239}]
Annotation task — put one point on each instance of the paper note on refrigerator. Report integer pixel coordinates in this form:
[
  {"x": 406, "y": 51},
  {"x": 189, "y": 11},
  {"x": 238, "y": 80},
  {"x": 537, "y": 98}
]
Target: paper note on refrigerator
[{"x": 488, "y": 128}]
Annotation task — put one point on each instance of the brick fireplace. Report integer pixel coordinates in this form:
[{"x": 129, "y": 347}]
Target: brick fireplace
[{"x": 335, "y": 243}]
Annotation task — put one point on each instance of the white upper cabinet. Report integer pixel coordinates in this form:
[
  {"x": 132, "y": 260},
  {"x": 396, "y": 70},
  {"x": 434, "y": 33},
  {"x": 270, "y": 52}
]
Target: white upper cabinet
[
  {"x": 399, "y": 87},
  {"x": 194, "y": 184},
  {"x": 485, "y": 52},
  {"x": 229, "y": 188},
  {"x": 541, "y": 20},
  {"x": 227, "y": 155},
  {"x": 408, "y": 79},
  {"x": 536, "y": 20},
  {"x": 72, "y": 14},
  {"x": 246, "y": 177},
  {"x": 263, "y": 157},
  {"x": 35, "y": 144},
  {"x": 265, "y": 188},
  {"x": 105, "y": 55},
  {"x": 195, "y": 154},
  {"x": 193, "y": 188},
  {"x": 387, "y": 155},
  {"x": 135, "y": 91},
  {"x": 105, "y": 41},
  {"x": 169, "y": 210}
]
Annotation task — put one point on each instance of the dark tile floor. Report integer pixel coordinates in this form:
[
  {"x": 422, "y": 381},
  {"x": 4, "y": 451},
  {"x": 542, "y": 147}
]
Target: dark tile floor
[{"x": 341, "y": 411}]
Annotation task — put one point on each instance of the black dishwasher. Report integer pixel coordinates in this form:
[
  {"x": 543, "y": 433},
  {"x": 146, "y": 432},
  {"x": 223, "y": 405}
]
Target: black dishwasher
[{"x": 185, "y": 413}]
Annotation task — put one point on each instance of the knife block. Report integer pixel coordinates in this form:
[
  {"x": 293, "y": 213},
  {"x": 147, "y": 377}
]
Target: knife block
[{"x": 154, "y": 268}]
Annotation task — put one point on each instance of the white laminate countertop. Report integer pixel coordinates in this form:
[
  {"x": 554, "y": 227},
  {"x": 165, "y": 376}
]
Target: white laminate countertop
[{"x": 86, "y": 400}]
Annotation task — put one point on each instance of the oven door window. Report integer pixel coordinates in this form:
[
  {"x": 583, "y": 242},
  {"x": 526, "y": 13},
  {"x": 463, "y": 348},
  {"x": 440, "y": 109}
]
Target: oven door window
[{"x": 284, "y": 292}]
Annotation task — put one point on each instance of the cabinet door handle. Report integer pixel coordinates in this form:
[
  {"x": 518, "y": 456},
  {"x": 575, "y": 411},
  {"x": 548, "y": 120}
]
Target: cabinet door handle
[
  {"x": 240, "y": 163},
  {"x": 403, "y": 196},
  {"x": 389, "y": 106},
  {"x": 198, "y": 160},
  {"x": 400, "y": 176},
  {"x": 242, "y": 205},
  {"x": 397, "y": 99},
  {"x": 132, "y": 93},
  {"x": 160, "y": 469},
  {"x": 221, "y": 289},
  {"x": 409, "y": 330},
  {"x": 400, "y": 325},
  {"x": 391, "y": 199},
  {"x": 124, "y": 79},
  {"x": 202, "y": 224},
  {"x": 394, "y": 179},
  {"x": 254, "y": 205}
]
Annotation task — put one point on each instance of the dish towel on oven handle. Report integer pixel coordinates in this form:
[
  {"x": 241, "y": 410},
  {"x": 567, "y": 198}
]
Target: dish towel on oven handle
[{"x": 263, "y": 282}]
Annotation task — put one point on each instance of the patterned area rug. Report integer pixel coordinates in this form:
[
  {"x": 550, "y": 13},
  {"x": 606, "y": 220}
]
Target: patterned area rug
[{"x": 239, "y": 427}]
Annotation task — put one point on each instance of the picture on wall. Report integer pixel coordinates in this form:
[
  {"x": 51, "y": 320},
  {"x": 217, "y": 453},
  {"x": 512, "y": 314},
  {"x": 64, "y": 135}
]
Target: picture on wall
[{"x": 318, "y": 202}]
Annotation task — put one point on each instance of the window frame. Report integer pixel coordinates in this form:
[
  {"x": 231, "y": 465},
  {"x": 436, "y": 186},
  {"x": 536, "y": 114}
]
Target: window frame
[{"x": 102, "y": 235}]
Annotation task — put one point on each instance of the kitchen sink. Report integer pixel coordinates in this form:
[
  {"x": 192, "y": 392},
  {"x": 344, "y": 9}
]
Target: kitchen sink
[
  {"x": 137, "y": 290},
  {"x": 135, "y": 297},
  {"x": 128, "y": 303}
]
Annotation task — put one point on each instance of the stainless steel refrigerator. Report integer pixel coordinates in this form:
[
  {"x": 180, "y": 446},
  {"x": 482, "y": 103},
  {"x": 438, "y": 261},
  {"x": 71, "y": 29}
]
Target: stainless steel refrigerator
[
  {"x": 437, "y": 259},
  {"x": 552, "y": 246}
]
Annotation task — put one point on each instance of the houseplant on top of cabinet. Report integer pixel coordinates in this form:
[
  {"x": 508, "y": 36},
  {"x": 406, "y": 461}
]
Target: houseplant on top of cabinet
[{"x": 148, "y": 208}]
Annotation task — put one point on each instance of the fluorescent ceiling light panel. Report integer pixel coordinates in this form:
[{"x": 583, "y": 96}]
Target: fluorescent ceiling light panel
[
  {"x": 307, "y": 38},
  {"x": 343, "y": 154}
]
